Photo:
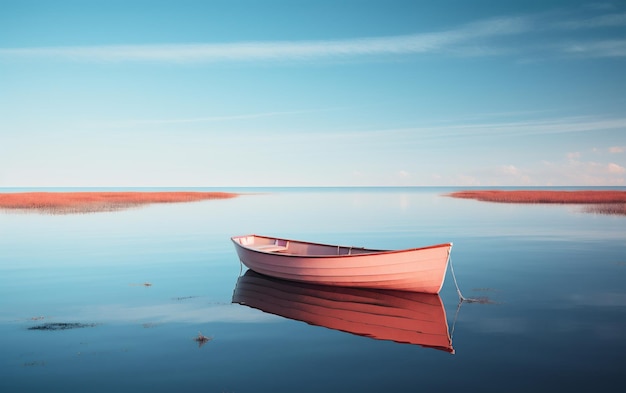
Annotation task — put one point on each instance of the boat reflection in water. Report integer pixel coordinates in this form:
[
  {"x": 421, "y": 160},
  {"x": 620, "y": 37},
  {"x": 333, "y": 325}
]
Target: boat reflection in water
[{"x": 404, "y": 317}]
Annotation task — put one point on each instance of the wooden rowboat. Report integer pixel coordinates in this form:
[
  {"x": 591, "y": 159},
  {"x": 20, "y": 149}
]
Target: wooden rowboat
[
  {"x": 400, "y": 316},
  {"x": 416, "y": 269}
]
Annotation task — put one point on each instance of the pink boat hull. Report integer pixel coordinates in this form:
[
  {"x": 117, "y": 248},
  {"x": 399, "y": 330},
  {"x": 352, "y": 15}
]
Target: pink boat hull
[{"x": 416, "y": 270}]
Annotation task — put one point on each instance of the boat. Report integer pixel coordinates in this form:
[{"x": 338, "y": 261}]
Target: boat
[
  {"x": 416, "y": 269},
  {"x": 382, "y": 314}
]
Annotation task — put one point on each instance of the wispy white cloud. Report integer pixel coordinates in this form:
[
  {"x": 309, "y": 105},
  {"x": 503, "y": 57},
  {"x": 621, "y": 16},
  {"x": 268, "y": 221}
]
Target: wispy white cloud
[
  {"x": 509, "y": 170},
  {"x": 615, "y": 168},
  {"x": 600, "y": 6},
  {"x": 546, "y": 173},
  {"x": 476, "y": 39},
  {"x": 588, "y": 173},
  {"x": 608, "y": 20},
  {"x": 564, "y": 35},
  {"x": 617, "y": 149},
  {"x": 466, "y": 180},
  {"x": 605, "y": 48},
  {"x": 573, "y": 155},
  {"x": 520, "y": 128},
  {"x": 404, "y": 174},
  {"x": 461, "y": 129},
  {"x": 210, "y": 119},
  {"x": 281, "y": 50},
  {"x": 504, "y": 175}
]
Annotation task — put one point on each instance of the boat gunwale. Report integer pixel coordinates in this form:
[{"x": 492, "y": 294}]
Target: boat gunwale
[{"x": 288, "y": 255}]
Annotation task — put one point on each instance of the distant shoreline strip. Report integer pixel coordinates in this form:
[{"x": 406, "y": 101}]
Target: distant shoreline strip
[
  {"x": 601, "y": 202},
  {"x": 93, "y": 202}
]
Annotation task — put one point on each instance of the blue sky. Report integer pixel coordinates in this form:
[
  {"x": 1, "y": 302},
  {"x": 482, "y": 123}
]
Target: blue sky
[{"x": 312, "y": 93}]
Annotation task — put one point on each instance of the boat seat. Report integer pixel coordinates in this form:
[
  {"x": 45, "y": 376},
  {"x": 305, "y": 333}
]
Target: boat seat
[{"x": 271, "y": 248}]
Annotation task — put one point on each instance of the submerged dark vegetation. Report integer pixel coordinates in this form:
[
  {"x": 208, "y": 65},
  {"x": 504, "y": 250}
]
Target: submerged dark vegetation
[{"x": 61, "y": 326}]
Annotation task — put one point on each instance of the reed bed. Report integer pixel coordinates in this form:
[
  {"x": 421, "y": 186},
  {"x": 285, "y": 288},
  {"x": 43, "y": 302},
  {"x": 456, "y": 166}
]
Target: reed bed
[
  {"x": 92, "y": 202},
  {"x": 600, "y": 202}
]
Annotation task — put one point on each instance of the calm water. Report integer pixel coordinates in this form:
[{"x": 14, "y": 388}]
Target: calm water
[{"x": 555, "y": 277}]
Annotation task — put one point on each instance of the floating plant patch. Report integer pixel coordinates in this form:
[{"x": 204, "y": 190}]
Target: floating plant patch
[
  {"x": 61, "y": 326},
  {"x": 184, "y": 297}
]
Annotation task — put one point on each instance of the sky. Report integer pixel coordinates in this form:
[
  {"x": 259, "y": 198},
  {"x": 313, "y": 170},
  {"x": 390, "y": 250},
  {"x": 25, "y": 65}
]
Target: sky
[{"x": 312, "y": 93}]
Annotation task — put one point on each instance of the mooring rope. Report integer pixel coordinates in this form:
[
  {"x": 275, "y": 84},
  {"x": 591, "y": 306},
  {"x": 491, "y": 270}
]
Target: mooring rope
[
  {"x": 456, "y": 314},
  {"x": 462, "y": 299},
  {"x": 456, "y": 284}
]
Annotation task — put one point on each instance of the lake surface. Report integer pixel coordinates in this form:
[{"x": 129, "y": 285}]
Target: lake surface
[{"x": 142, "y": 283}]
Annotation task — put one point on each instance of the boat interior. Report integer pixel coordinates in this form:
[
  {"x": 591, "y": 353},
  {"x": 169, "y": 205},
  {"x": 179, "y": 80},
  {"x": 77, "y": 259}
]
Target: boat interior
[{"x": 293, "y": 247}]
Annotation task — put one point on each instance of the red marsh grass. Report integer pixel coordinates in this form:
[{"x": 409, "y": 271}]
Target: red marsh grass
[
  {"x": 601, "y": 202},
  {"x": 92, "y": 202}
]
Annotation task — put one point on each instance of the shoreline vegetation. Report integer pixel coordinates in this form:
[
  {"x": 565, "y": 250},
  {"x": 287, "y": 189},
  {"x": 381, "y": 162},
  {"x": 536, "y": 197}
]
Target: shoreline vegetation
[
  {"x": 594, "y": 201},
  {"x": 94, "y": 202},
  {"x": 599, "y": 202}
]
